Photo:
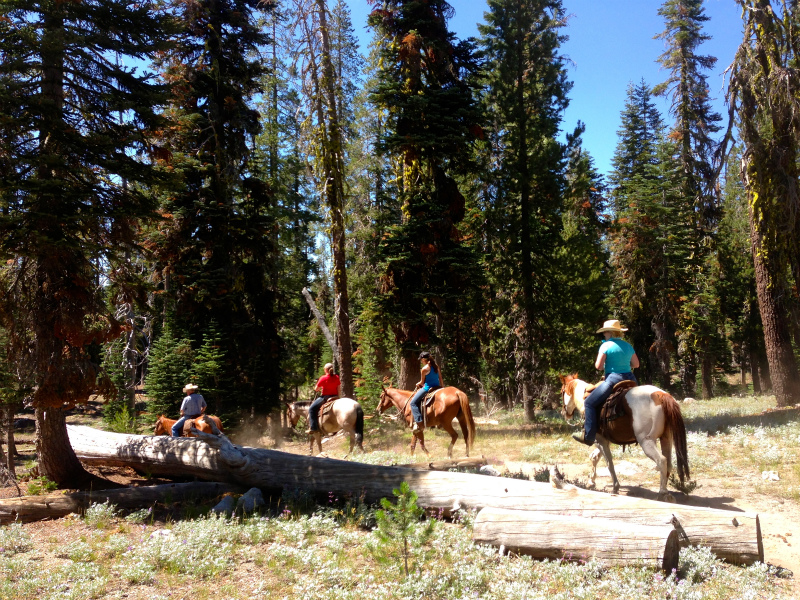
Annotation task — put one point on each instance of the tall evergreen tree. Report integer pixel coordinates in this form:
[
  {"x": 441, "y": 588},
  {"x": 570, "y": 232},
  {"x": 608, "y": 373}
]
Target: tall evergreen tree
[
  {"x": 527, "y": 90},
  {"x": 213, "y": 249},
  {"x": 426, "y": 87},
  {"x": 70, "y": 195},
  {"x": 765, "y": 92},
  {"x": 695, "y": 124}
]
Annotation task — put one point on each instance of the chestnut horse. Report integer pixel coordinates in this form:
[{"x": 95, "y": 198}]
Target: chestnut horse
[
  {"x": 164, "y": 425},
  {"x": 449, "y": 403},
  {"x": 345, "y": 414},
  {"x": 651, "y": 414}
]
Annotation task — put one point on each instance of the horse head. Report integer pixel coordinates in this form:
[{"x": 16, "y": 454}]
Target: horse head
[
  {"x": 568, "y": 383},
  {"x": 161, "y": 428},
  {"x": 385, "y": 402}
]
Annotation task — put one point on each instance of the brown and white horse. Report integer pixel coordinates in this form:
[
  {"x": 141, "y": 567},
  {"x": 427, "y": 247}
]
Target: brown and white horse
[
  {"x": 449, "y": 403},
  {"x": 654, "y": 414},
  {"x": 345, "y": 414},
  {"x": 164, "y": 425}
]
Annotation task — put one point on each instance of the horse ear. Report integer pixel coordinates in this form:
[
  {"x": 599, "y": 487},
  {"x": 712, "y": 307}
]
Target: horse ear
[
  {"x": 562, "y": 378},
  {"x": 574, "y": 375}
]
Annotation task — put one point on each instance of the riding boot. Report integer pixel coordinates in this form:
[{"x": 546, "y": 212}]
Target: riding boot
[
  {"x": 581, "y": 437},
  {"x": 416, "y": 426}
]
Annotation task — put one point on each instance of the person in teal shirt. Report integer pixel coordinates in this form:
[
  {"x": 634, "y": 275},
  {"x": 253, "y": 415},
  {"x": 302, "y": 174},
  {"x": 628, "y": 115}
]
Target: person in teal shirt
[{"x": 617, "y": 359}]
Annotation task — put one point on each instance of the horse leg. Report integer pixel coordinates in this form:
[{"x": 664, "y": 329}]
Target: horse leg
[
  {"x": 594, "y": 458},
  {"x": 422, "y": 442},
  {"x": 448, "y": 427},
  {"x": 606, "y": 450},
  {"x": 462, "y": 421},
  {"x": 649, "y": 448},
  {"x": 413, "y": 442}
]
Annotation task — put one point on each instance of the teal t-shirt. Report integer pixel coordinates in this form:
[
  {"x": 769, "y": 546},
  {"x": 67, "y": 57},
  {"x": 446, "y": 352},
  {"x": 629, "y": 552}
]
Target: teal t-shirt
[{"x": 618, "y": 355}]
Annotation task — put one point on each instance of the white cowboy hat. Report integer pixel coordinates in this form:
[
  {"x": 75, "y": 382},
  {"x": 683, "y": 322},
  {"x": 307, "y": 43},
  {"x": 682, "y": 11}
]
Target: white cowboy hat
[
  {"x": 612, "y": 325},
  {"x": 189, "y": 388}
]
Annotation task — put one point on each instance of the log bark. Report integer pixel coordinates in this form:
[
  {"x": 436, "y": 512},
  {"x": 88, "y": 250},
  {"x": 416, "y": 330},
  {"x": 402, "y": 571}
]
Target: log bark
[
  {"x": 732, "y": 536},
  {"x": 35, "y": 508},
  {"x": 542, "y": 535}
]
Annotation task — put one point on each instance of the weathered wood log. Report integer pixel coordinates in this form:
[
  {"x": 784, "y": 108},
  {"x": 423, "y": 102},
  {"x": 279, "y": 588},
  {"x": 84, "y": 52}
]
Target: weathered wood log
[
  {"x": 543, "y": 535},
  {"x": 52, "y": 506},
  {"x": 447, "y": 464},
  {"x": 732, "y": 536}
]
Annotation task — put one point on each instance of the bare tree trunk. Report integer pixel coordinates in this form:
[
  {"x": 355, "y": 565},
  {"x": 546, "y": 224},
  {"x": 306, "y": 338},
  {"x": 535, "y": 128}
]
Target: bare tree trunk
[
  {"x": 707, "y": 366},
  {"x": 409, "y": 369},
  {"x": 57, "y": 460},
  {"x": 772, "y": 295},
  {"x": 10, "y": 442}
]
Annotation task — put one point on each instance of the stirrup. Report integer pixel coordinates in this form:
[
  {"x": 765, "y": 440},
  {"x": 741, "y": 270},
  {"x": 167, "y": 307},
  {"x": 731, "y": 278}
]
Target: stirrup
[{"x": 415, "y": 426}]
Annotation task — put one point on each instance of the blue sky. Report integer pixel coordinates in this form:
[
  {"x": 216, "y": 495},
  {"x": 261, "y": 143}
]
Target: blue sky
[{"x": 610, "y": 44}]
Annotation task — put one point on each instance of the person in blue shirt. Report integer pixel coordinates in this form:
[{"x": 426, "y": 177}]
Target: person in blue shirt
[
  {"x": 617, "y": 359},
  {"x": 429, "y": 378}
]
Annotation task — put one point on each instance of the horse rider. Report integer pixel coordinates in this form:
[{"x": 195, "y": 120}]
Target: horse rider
[
  {"x": 430, "y": 378},
  {"x": 328, "y": 385},
  {"x": 618, "y": 359},
  {"x": 193, "y": 406}
]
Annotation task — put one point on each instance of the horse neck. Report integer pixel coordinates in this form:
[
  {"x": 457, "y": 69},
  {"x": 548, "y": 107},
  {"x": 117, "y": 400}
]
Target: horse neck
[
  {"x": 578, "y": 392},
  {"x": 398, "y": 397}
]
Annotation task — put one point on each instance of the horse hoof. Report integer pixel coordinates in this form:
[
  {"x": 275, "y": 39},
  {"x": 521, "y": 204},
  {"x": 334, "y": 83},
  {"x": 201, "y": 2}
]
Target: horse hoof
[{"x": 666, "y": 498}]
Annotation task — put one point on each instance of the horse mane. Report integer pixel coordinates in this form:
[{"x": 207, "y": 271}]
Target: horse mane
[{"x": 302, "y": 403}]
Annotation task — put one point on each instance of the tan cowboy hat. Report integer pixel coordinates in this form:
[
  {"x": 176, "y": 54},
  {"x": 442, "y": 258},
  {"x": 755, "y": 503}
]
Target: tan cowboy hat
[
  {"x": 612, "y": 325},
  {"x": 189, "y": 388}
]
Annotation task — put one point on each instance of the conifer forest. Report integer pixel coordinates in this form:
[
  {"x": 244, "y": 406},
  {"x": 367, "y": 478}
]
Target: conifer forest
[{"x": 175, "y": 173}]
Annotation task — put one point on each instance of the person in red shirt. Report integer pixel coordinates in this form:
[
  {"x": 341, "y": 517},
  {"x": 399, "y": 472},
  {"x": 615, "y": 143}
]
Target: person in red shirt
[{"x": 328, "y": 385}]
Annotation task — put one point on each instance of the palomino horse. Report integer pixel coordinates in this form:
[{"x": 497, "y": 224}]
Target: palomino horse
[
  {"x": 652, "y": 414},
  {"x": 345, "y": 414},
  {"x": 449, "y": 403},
  {"x": 164, "y": 425}
]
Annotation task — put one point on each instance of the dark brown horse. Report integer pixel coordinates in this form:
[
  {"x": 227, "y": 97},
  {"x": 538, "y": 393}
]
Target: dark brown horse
[
  {"x": 164, "y": 425},
  {"x": 449, "y": 403}
]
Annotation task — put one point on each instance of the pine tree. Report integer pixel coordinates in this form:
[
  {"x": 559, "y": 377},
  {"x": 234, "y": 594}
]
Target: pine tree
[
  {"x": 527, "y": 89},
  {"x": 71, "y": 192},
  {"x": 213, "y": 249},
  {"x": 426, "y": 86},
  {"x": 695, "y": 124},
  {"x": 169, "y": 370},
  {"x": 765, "y": 93}
]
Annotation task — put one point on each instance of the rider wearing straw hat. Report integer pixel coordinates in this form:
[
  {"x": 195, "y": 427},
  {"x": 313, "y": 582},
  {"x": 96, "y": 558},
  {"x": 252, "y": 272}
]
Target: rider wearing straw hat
[{"x": 618, "y": 359}]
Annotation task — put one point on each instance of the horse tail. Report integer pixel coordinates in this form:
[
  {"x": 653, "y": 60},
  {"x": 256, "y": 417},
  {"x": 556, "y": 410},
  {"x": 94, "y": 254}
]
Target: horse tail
[
  {"x": 359, "y": 424},
  {"x": 467, "y": 410},
  {"x": 675, "y": 424}
]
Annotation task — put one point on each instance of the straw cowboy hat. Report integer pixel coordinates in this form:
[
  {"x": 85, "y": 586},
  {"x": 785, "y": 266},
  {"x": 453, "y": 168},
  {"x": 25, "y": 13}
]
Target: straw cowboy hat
[
  {"x": 612, "y": 325},
  {"x": 189, "y": 388}
]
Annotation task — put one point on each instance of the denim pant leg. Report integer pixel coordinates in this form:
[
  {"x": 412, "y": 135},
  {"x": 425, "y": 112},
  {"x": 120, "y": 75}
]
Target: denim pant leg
[
  {"x": 177, "y": 429},
  {"x": 595, "y": 400},
  {"x": 416, "y": 401},
  {"x": 313, "y": 413}
]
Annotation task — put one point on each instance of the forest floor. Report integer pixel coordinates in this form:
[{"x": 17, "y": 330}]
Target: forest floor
[{"x": 744, "y": 455}]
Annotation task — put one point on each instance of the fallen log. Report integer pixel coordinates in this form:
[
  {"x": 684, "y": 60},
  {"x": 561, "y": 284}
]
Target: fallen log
[
  {"x": 543, "y": 535},
  {"x": 27, "y": 509},
  {"x": 732, "y": 536}
]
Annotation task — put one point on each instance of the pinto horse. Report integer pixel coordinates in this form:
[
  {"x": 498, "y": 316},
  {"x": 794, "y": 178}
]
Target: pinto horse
[
  {"x": 449, "y": 403},
  {"x": 164, "y": 425},
  {"x": 651, "y": 413},
  {"x": 345, "y": 413}
]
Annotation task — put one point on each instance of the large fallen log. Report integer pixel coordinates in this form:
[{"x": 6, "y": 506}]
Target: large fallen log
[
  {"x": 52, "y": 506},
  {"x": 543, "y": 535},
  {"x": 732, "y": 536}
]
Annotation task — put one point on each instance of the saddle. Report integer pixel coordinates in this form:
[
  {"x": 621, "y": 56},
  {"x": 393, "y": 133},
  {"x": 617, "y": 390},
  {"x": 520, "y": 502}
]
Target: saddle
[
  {"x": 616, "y": 418},
  {"x": 428, "y": 399},
  {"x": 326, "y": 407}
]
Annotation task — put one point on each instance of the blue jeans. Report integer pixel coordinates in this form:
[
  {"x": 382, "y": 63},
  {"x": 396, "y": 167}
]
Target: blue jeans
[
  {"x": 313, "y": 412},
  {"x": 416, "y": 402},
  {"x": 596, "y": 399},
  {"x": 177, "y": 429}
]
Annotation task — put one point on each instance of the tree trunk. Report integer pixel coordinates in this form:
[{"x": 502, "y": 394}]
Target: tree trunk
[
  {"x": 547, "y": 536},
  {"x": 57, "y": 460},
  {"x": 754, "y": 374},
  {"x": 409, "y": 370},
  {"x": 35, "y": 508},
  {"x": 707, "y": 367},
  {"x": 772, "y": 295},
  {"x": 10, "y": 442},
  {"x": 333, "y": 161},
  {"x": 735, "y": 537}
]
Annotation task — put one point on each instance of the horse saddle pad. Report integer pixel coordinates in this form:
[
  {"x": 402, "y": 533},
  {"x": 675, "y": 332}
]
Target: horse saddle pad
[
  {"x": 614, "y": 408},
  {"x": 428, "y": 399}
]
